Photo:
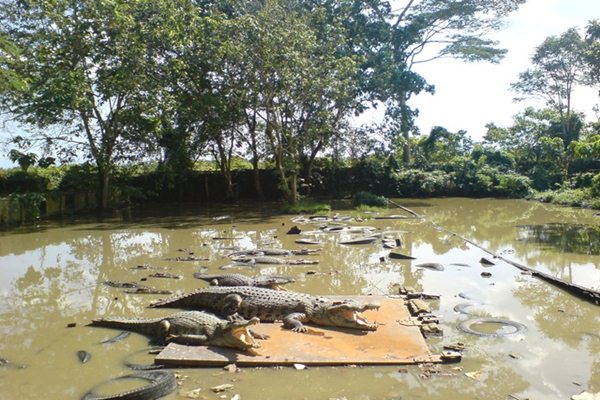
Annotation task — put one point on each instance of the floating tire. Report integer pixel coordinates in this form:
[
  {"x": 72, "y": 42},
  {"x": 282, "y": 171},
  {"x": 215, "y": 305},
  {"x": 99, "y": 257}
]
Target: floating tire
[
  {"x": 161, "y": 384},
  {"x": 466, "y": 326}
]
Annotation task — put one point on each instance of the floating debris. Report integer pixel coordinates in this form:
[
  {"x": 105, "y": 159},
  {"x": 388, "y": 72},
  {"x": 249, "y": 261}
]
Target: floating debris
[
  {"x": 231, "y": 368},
  {"x": 148, "y": 290},
  {"x": 83, "y": 356},
  {"x": 485, "y": 261},
  {"x": 165, "y": 275},
  {"x": 308, "y": 241},
  {"x": 187, "y": 258},
  {"x": 221, "y": 388},
  {"x": 121, "y": 285},
  {"x": 432, "y": 266},
  {"x": 362, "y": 240},
  {"x": 141, "y": 266},
  {"x": 400, "y": 256},
  {"x": 294, "y": 230},
  {"x": 191, "y": 394},
  {"x": 394, "y": 216}
]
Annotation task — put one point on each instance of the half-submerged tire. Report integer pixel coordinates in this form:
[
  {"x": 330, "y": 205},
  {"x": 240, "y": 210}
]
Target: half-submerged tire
[
  {"x": 161, "y": 384},
  {"x": 466, "y": 326}
]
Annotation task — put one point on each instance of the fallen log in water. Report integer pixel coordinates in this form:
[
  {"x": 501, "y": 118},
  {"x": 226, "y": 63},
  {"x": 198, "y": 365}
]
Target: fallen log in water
[{"x": 582, "y": 292}]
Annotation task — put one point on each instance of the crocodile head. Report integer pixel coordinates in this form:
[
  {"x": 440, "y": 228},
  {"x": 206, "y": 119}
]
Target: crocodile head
[
  {"x": 235, "y": 334},
  {"x": 345, "y": 314}
]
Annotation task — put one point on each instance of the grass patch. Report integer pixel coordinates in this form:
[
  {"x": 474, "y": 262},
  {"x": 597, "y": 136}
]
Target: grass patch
[
  {"x": 568, "y": 197},
  {"x": 369, "y": 199},
  {"x": 364, "y": 211},
  {"x": 307, "y": 207}
]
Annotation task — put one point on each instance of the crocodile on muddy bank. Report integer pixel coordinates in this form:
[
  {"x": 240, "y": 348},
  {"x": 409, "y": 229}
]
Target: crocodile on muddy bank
[
  {"x": 189, "y": 327},
  {"x": 269, "y": 305}
]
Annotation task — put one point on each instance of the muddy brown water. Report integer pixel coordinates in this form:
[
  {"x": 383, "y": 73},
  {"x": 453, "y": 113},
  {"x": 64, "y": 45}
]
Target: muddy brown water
[{"x": 51, "y": 276}]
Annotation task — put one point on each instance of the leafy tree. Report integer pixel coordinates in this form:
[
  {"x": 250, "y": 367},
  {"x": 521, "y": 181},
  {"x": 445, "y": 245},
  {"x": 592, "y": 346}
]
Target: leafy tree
[
  {"x": 300, "y": 88},
  {"x": 537, "y": 143},
  {"x": 558, "y": 66},
  {"x": 422, "y": 31},
  {"x": 442, "y": 145},
  {"x": 86, "y": 63},
  {"x": 25, "y": 160},
  {"x": 592, "y": 50},
  {"x": 8, "y": 76}
]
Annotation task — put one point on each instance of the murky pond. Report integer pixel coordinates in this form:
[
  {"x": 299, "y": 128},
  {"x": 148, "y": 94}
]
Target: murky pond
[{"x": 51, "y": 276}]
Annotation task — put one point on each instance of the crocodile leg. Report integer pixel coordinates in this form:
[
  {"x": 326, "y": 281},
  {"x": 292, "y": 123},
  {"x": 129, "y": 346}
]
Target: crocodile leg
[
  {"x": 294, "y": 321},
  {"x": 191, "y": 340},
  {"x": 231, "y": 305},
  {"x": 165, "y": 326},
  {"x": 259, "y": 336}
]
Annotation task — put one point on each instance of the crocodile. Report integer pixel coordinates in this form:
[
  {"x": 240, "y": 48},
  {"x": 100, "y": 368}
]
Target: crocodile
[
  {"x": 271, "y": 260},
  {"x": 273, "y": 252},
  {"x": 269, "y": 305},
  {"x": 267, "y": 281},
  {"x": 189, "y": 327},
  {"x": 161, "y": 383}
]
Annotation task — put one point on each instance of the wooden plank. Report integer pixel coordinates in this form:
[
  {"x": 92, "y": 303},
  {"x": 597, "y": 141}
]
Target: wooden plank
[{"x": 392, "y": 343}]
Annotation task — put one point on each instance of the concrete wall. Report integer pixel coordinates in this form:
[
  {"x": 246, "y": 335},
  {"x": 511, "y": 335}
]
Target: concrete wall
[{"x": 56, "y": 204}]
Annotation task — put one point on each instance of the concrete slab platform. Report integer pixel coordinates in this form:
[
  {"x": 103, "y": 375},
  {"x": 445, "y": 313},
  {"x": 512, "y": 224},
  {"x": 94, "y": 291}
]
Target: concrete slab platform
[{"x": 392, "y": 343}]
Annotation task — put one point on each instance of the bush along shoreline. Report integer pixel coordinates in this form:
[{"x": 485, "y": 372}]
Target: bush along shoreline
[{"x": 44, "y": 192}]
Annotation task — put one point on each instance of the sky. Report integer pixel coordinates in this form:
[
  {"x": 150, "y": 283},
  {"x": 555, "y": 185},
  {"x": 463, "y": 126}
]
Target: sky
[{"x": 470, "y": 95}]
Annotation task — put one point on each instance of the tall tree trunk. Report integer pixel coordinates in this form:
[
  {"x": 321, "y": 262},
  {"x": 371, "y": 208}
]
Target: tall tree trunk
[
  {"x": 405, "y": 130},
  {"x": 293, "y": 198},
  {"x": 229, "y": 186},
  {"x": 257, "y": 184},
  {"x": 103, "y": 187}
]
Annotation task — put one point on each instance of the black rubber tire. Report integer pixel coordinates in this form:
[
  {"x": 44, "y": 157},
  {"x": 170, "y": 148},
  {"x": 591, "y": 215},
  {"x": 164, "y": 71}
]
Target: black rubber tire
[
  {"x": 161, "y": 384},
  {"x": 465, "y": 326}
]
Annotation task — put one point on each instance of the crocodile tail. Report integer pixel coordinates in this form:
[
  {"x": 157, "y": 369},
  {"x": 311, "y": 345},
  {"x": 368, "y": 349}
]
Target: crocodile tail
[
  {"x": 187, "y": 301},
  {"x": 144, "y": 326},
  {"x": 167, "y": 303}
]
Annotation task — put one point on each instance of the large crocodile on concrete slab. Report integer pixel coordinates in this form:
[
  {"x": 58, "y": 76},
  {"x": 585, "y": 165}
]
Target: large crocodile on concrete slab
[
  {"x": 292, "y": 308},
  {"x": 189, "y": 327},
  {"x": 266, "y": 281}
]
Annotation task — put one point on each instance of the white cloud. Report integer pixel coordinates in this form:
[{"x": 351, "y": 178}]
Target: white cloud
[{"x": 468, "y": 96}]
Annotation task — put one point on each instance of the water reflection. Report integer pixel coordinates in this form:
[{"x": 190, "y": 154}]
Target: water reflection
[
  {"x": 52, "y": 277},
  {"x": 568, "y": 238}
]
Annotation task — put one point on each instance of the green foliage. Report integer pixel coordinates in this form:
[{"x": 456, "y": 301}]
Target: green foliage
[
  {"x": 566, "y": 197},
  {"x": 79, "y": 178},
  {"x": 369, "y": 199},
  {"x": 592, "y": 51},
  {"x": 415, "y": 182},
  {"x": 21, "y": 182},
  {"x": 558, "y": 66},
  {"x": 501, "y": 159},
  {"x": 595, "y": 187},
  {"x": 372, "y": 174},
  {"x": 441, "y": 146},
  {"x": 29, "y": 204},
  {"x": 24, "y": 160},
  {"x": 307, "y": 207},
  {"x": 513, "y": 185}
]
